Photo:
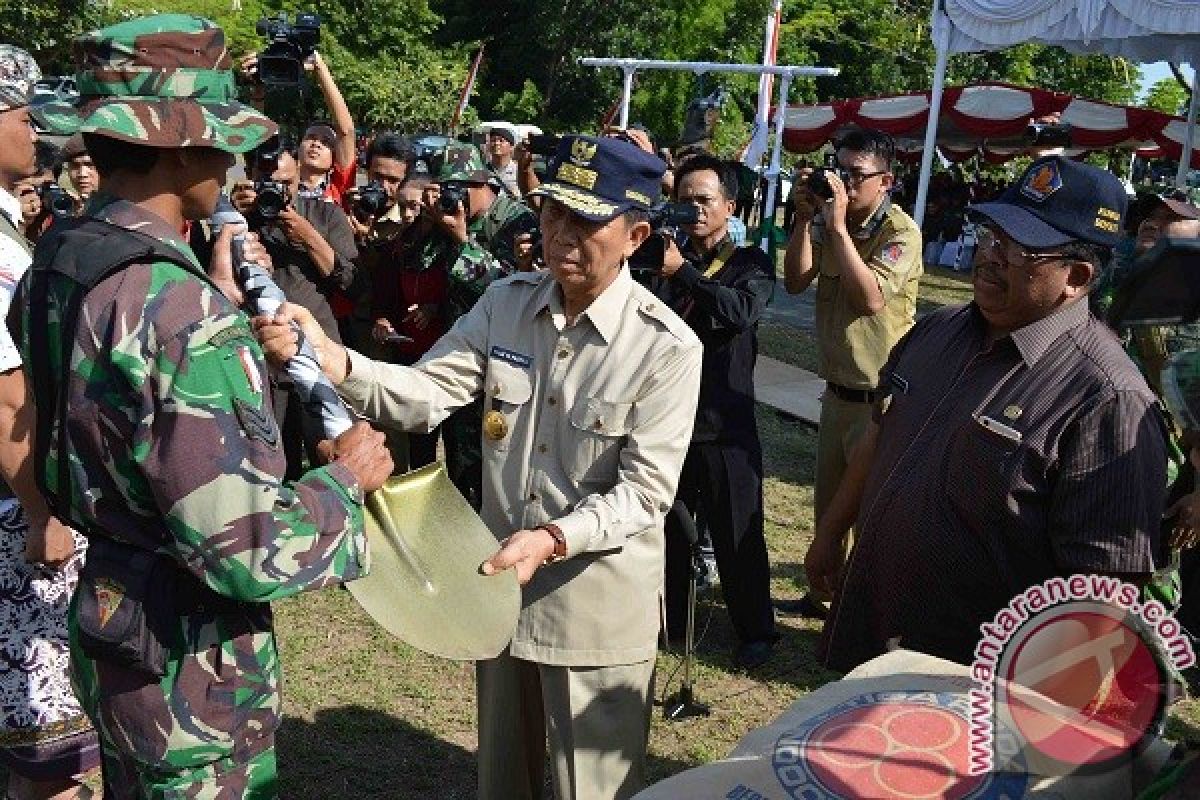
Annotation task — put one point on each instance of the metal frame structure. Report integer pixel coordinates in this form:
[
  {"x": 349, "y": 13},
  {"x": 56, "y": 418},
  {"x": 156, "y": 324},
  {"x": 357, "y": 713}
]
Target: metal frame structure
[{"x": 629, "y": 66}]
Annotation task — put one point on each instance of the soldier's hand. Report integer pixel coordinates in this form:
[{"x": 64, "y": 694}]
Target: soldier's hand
[
  {"x": 525, "y": 551},
  {"x": 363, "y": 451},
  {"x": 49, "y": 543},
  {"x": 523, "y": 249},
  {"x": 637, "y": 138},
  {"x": 421, "y": 316},
  {"x": 453, "y": 224},
  {"x": 280, "y": 340},
  {"x": 220, "y": 266},
  {"x": 382, "y": 330}
]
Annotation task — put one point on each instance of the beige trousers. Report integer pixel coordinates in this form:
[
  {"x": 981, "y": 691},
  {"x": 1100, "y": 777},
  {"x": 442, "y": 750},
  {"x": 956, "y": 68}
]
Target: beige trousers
[{"x": 597, "y": 720}]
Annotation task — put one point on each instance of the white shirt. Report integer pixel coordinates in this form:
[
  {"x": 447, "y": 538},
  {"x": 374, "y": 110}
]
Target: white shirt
[{"x": 14, "y": 260}]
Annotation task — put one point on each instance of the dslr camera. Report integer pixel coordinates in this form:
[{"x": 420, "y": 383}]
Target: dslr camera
[
  {"x": 271, "y": 198},
  {"x": 372, "y": 200},
  {"x": 56, "y": 198},
  {"x": 451, "y": 197},
  {"x": 1048, "y": 134},
  {"x": 665, "y": 221},
  {"x": 290, "y": 44},
  {"x": 818, "y": 183}
]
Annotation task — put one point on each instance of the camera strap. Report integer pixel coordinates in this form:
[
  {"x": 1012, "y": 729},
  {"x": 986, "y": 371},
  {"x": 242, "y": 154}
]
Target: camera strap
[{"x": 722, "y": 258}]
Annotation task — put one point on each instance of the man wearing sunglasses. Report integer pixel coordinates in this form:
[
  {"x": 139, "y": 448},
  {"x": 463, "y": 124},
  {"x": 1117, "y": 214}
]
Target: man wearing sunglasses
[
  {"x": 1018, "y": 441},
  {"x": 865, "y": 254}
]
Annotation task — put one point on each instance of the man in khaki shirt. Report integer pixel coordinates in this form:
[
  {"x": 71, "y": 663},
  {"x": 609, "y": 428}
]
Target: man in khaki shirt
[
  {"x": 865, "y": 254},
  {"x": 589, "y": 387}
]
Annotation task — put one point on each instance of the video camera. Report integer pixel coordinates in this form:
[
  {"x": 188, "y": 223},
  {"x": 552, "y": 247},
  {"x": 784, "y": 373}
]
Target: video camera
[
  {"x": 665, "y": 221},
  {"x": 282, "y": 62},
  {"x": 56, "y": 198},
  {"x": 372, "y": 200}
]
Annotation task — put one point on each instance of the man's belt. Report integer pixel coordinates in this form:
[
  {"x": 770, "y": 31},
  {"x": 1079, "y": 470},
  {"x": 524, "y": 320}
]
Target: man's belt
[{"x": 854, "y": 395}]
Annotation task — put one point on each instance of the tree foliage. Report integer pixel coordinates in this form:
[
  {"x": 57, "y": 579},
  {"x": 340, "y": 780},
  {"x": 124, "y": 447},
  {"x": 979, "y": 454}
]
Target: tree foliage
[
  {"x": 1168, "y": 96},
  {"x": 401, "y": 63}
]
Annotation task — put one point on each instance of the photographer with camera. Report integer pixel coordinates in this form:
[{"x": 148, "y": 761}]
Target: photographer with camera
[
  {"x": 865, "y": 254},
  {"x": 375, "y": 216},
  {"x": 720, "y": 290},
  {"x": 312, "y": 249},
  {"x": 41, "y": 198}
]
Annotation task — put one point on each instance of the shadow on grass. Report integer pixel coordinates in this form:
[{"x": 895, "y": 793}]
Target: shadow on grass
[{"x": 359, "y": 752}]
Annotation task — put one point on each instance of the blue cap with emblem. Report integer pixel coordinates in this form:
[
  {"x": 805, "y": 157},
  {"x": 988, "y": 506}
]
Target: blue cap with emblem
[
  {"x": 1058, "y": 201},
  {"x": 600, "y": 178}
]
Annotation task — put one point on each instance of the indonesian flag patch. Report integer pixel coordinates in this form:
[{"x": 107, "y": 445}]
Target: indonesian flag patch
[{"x": 250, "y": 368}]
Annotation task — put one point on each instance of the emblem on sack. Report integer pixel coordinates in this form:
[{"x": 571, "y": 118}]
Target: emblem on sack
[
  {"x": 583, "y": 151},
  {"x": 109, "y": 595}
]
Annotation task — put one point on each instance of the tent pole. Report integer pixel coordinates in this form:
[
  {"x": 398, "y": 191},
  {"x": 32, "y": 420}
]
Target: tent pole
[
  {"x": 626, "y": 93},
  {"x": 1185, "y": 160},
  {"x": 941, "y": 41},
  {"x": 767, "y": 223}
]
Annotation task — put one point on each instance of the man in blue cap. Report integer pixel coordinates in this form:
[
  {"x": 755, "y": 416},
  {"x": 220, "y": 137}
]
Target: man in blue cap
[
  {"x": 1017, "y": 442},
  {"x": 589, "y": 385}
]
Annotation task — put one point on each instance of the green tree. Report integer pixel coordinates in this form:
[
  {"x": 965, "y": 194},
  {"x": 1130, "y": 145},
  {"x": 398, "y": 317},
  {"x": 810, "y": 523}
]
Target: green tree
[{"x": 1168, "y": 96}]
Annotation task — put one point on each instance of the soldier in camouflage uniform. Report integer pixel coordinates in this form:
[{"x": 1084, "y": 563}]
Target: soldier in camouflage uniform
[
  {"x": 475, "y": 245},
  {"x": 171, "y": 448}
]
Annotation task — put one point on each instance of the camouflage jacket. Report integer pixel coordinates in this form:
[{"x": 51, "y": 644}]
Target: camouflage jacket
[
  {"x": 174, "y": 448},
  {"x": 488, "y": 254}
]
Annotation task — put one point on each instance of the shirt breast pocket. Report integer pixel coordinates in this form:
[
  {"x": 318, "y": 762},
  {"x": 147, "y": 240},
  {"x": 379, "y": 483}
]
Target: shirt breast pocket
[
  {"x": 509, "y": 390},
  {"x": 828, "y": 280},
  {"x": 597, "y": 431},
  {"x": 980, "y": 472}
]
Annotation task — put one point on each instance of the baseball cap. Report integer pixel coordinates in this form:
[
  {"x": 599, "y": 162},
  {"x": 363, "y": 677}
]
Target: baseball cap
[
  {"x": 164, "y": 80},
  {"x": 601, "y": 178},
  {"x": 1057, "y": 201},
  {"x": 18, "y": 74},
  {"x": 503, "y": 132},
  {"x": 1184, "y": 202}
]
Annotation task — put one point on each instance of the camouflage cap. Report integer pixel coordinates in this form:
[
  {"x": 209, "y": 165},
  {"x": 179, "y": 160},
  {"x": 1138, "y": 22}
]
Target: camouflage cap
[
  {"x": 164, "y": 80},
  {"x": 18, "y": 74},
  {"x": 463, "y": 162},
  {"x": 1181, "y": 388}
]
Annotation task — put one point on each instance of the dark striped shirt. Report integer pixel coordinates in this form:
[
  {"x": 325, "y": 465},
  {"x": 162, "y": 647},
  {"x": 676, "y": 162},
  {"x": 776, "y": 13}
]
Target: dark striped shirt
[{"x": 997, "y": 467}]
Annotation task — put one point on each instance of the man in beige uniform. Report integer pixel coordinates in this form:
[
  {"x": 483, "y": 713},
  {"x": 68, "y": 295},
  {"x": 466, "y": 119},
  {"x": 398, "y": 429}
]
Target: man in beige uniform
[
  {"x": 589, "y": 386},
  {"x": 866, "y": 253}
]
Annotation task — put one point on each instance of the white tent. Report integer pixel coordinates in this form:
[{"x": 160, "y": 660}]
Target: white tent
[{"x": 1141, "y": 30}]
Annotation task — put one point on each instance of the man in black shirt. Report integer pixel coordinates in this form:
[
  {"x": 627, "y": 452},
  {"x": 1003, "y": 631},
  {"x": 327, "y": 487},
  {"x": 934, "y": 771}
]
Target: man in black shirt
[{"x": 721, "y": 290}]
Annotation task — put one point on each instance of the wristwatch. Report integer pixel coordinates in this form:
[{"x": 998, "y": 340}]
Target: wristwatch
[{"x": 560, "y": 542}]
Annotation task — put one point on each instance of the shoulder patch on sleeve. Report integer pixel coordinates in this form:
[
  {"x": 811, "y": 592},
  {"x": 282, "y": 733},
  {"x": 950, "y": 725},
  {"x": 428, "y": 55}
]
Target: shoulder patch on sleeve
[{"x": 257, "y": 423}]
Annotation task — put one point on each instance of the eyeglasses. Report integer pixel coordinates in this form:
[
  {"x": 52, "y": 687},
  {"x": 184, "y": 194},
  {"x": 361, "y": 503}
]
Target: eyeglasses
[
  {"x": 1007, "y": 251},
  {"x": 855, "y": 177}
]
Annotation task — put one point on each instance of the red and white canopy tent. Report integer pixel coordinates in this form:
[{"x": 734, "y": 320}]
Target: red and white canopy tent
[
  {"x": 1143, "y": 30},
  {"x": 988, "y": 119}
]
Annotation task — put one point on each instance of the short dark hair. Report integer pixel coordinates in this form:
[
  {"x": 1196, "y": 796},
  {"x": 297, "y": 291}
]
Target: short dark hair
[
  {"x": 868, "y": 140},
  {"x": 111, "y": 155},
  {"x": 1098, "y": 255},
  {"x": 391, "y": 145},
  {"x": 706, "y": 162},
  {"x": 48, "y": 157}
]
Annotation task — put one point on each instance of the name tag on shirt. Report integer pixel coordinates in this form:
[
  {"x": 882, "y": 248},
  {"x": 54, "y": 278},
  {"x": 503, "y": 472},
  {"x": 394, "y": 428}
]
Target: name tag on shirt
[{"x": 512, "y": 357}]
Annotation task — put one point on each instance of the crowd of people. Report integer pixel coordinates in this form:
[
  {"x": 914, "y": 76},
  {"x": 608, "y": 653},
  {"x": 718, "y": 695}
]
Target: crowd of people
[{"x": 584, "y": 371}]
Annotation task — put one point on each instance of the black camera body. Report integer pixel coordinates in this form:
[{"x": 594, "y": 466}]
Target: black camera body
[
  {"x": 56, "y": 199},
  {"x": 451, "y": 197},
  {"x": 1048, "y": 134},
  {"x": 291, "y": 43},
  {"x": 665, "y": 221},
  {"x": 271, "y": 198},
  {"x": 372, "y": 200}
]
